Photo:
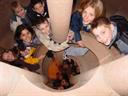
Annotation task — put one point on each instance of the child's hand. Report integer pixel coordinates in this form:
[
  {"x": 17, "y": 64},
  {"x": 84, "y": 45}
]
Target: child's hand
[
  {"x": 25, "y": 53},
  {"x": 81, "y": 43},
  {"x": 70, "y": 35}
]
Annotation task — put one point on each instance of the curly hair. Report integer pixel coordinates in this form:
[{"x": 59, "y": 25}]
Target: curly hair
[{"x": 19, "y": 30}]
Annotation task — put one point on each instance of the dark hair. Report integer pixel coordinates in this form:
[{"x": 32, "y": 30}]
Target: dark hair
[
  {"x": 40, "y": 20},
  {"x": 100, "y": 21},
  {"x": 19, "y": 30},
  {"x": 34, "y": 2},
  {"x": 21, "y": 46}
]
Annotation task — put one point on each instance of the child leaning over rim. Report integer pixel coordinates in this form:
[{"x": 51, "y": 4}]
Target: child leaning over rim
[
  {"x": 37, "y": 9},
  {"x": 85, "y": 12},
  {"x": 27, "y": 44},
  {"x": 19, "y": 16},
  {"x": 108, "y": 33},
  {"x": 43, "y": 32}
]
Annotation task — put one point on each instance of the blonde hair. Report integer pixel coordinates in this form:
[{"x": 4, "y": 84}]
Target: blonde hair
[
  {"x": 96, "y": 4},
  {"x": 101, "y": 21}
]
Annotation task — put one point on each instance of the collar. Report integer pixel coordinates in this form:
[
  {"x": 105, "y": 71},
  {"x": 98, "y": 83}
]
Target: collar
[{"x": 114, "y": 35}]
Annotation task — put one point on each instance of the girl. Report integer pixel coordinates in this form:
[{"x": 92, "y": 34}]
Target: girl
[
  {"x": 37, "y": 9},
  {"x": 86, "y": 11},
  {"x": 19, "y": 16},
  {"x": 44, "y": 34},
  {"x": 27, "y": 43}
]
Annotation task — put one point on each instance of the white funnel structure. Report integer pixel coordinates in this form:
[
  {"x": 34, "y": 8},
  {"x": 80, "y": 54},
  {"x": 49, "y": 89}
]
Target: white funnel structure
[
  {"x": 110, "y": 79},
  {"x": 60, "y": 12}
]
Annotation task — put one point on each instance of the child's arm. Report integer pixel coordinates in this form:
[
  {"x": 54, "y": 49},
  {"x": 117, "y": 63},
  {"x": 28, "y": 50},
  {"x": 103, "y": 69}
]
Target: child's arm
[
  {"x": 76, "y": 24},
  {"x": 50, "y": 44},
  {"x": 31, "y": 60},
  {"x": 28, "y": 56},
  {"x": 34, "y": 60}
]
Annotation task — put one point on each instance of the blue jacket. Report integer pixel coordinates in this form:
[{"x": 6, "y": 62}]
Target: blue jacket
[{"x": 76, "y": 25}]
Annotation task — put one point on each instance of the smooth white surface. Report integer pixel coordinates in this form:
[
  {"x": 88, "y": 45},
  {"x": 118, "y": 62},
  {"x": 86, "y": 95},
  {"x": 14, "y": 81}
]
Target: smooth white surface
[{"x": 60, "y": 12}]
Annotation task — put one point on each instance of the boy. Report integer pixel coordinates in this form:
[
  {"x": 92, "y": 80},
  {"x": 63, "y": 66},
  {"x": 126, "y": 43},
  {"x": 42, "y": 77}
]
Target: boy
[
  {"x": 37, "y": 9},
  {"x": 108, "y": 33},
  {"x": 19, "y": 16},
  {"x": 44, "y": 34}
]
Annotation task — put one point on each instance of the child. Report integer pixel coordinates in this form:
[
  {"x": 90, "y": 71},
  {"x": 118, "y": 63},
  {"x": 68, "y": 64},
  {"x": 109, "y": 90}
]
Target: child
[
  {"x": 19, "y": 16},
  {"x": 108, "y": 33},
  {"x": 44, "y": 34},
  {"x": 85, "y": 12},
  {"x": 53, "y": 68},
  {"x": 37, "y": 9},
  {"x": 26, "y": 35},
  {"x": 11, "y": 56},
  {"x": 27, "y": 43}
]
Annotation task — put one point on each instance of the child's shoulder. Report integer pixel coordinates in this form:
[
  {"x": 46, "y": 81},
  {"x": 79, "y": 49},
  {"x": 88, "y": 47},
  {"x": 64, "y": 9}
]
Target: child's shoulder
[{"x": 76, "y": 14}]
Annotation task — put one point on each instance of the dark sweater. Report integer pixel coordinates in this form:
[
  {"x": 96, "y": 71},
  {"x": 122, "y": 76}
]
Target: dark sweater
[{"x": 76, "y": 25}]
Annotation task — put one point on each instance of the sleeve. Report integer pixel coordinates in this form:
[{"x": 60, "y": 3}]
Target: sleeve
[
  {"x": 50, "y": 44},
  {"x": 31, "y": 60},
  {"x": 76, "y": 25},
  {"x": 31, "y": 15}
]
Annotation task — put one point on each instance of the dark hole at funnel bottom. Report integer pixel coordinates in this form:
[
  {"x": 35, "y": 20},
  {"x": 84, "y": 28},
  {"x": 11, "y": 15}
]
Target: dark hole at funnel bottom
[{"x": 59, "y": 71}]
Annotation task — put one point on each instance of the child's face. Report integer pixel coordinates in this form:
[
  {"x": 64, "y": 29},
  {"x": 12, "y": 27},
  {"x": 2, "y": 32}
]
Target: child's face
[
  {"x": 88, "y": 15},
  {"x": 26, "y": 36},
  {"x": 44, "y": 27},
  {"x": 39, "y": 8},
  {"x": 8, "y": 56},
  {"x": 103, "y": 34},
  {"x": 20, "y": 11}
]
